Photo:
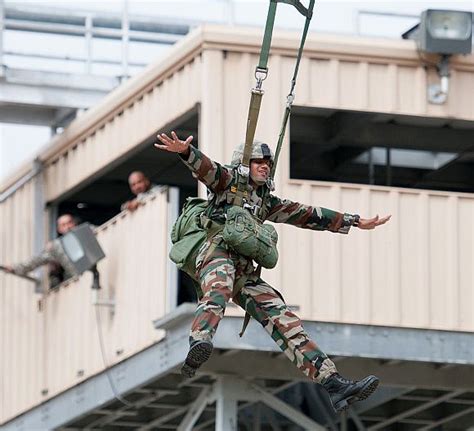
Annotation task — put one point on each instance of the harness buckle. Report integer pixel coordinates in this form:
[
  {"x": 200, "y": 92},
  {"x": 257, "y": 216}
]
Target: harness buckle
[
  {"x": 271, "y": 184},
  {"x": 252, "y": 208},
  {"x": 260, "y": 76},
  {"x": 290, "y": 99},
  {"x": 243, "y": 170}
]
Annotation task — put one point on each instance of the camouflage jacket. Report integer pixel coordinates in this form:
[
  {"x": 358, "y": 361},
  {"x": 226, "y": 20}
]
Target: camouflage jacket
[
  {"x": 59, "y": 268},
  {"x": 221, "y": 183}
]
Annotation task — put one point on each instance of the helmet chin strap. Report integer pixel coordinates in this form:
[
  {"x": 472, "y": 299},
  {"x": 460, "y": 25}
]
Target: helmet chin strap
[{"x": 258, "y": 182}]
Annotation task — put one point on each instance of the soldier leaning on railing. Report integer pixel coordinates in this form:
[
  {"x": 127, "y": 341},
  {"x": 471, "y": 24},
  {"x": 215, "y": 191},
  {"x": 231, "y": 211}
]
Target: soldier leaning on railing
[{"x": 58, "y": 266}]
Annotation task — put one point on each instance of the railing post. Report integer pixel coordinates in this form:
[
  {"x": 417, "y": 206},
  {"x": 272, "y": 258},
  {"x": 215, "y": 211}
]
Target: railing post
[
  {"x": 88, "y": 35},
  {"x": 125, "y": 40},
  {"x": 172, "y": 288},
  {"x": 38, "y": 216},
  {"x": 2, "y": 28}
]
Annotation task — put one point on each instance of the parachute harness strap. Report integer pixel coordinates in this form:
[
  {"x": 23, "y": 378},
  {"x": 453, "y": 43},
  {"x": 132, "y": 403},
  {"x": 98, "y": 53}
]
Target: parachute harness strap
[{"x": 261, "y": 72}]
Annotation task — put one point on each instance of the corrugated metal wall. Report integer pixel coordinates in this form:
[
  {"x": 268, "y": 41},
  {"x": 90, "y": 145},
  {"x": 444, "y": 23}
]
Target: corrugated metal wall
[
  {"x": 58, "y": 347},
  {"x": 416, "y": 271},
  {"x": 21, "y": 326},
  {"x": 142, "y": 115}
]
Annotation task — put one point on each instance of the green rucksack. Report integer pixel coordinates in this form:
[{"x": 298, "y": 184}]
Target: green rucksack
[{"x": 187, "y": 236}]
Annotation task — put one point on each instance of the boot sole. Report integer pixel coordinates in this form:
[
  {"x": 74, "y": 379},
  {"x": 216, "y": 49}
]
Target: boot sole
[
  {"x": 364, "y": 393},
  {"x": 197, "y": 355}
]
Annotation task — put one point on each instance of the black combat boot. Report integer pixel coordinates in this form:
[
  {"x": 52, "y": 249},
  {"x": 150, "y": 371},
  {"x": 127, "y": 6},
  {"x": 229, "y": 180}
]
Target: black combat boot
[
  {"x": 343, "y": 392},
  {"x": 199, "y": 353}
]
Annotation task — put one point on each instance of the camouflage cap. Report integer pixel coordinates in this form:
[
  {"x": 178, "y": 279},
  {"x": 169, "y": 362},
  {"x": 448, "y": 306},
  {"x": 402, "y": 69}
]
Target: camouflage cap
[{"x": 260, "y": 150}]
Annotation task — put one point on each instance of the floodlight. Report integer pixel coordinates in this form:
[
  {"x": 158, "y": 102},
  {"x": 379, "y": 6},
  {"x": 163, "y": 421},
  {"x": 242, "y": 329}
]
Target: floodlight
[
  {"x": 76, "y": 251},
  {"x": 445, "y": 32},
  {"x": 81, "y": 248}
]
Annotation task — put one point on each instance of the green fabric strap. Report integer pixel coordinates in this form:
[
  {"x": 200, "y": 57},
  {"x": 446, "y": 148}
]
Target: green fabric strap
[
  {"x": 307, "y": 12},
  {"x": 291, "y": 95},
  {"x": 267, "y": 38}
]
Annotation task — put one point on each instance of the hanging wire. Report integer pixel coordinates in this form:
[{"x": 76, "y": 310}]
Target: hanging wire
[{"x": 104, "y": 360}]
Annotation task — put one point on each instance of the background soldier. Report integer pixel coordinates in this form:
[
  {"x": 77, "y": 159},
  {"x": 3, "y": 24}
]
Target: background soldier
[
  {"x": 56, "y": 272},
  {"x": 141, "y": 186},
  {"x": 218, "y": 268}
]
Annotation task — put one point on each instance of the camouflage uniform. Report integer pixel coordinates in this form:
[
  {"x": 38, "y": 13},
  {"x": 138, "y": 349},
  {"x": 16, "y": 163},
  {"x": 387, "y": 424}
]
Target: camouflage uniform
[
  {"x": 59, "y": 267},
  {"x": 218, "y": 268}
]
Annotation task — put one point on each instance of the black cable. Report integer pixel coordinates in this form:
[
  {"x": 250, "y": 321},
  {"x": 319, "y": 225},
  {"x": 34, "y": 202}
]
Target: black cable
[{"x": 104, "y": 360}]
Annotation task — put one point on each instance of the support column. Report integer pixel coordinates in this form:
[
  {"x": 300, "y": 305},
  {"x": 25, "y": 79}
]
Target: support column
[
  {"x": 38, "y": 217},
  {"x": 226, "y": 405},
  {"x": 2, "y": 28},
  {"x": 88, "y": 39},
  {"x": 125, "y": 41},
  {"x": 173, "y": 213}
]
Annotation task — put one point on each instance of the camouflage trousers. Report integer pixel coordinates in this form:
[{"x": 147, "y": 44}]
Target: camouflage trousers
[{"x": 218, "y": 268}]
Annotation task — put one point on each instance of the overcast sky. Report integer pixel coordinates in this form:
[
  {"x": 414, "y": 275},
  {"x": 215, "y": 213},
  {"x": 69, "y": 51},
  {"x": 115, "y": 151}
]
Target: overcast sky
[{"x": 19, "y": 143}]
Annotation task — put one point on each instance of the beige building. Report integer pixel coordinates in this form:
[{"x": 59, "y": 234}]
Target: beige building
[{"x": 363, "y": 138}]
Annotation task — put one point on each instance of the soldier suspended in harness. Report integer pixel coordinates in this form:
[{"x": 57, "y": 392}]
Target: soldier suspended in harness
[
  {"x": 219, "y": 268},
  {"x": 218, "y": 241}
]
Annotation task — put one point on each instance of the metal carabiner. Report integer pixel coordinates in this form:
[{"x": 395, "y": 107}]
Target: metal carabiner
[{"x": 260, "y": 75}]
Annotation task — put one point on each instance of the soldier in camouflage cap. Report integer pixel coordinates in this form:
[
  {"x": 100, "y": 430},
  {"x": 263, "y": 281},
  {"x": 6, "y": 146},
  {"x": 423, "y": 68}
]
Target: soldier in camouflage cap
[
  {"x": 218, "y": 268},
  {"x": 260, "y": 150}
]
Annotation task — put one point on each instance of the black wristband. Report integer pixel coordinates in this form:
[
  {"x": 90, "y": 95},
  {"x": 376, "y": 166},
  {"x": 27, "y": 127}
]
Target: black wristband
[{"x": 355, "y": 220}]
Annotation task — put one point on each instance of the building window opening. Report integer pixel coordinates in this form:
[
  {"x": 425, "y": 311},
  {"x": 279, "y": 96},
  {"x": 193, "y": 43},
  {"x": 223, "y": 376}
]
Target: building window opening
[
  {"x": 381, "y": 149},
  {"x": 143, "y": 170}
]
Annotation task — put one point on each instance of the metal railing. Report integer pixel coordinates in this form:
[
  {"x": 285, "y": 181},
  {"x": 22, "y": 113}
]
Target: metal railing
[{"x": 90, "y": 26}]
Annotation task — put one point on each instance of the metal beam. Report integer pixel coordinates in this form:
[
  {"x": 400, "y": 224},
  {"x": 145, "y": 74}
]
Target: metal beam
[
  {"x": 285, "y": 409},
  {"x": 357, "y": 421},
  {"x": 447, "y": 419},
  {"x": 414, "y": 410},
  {"x": 322, "y": 408},
  {"x": 284, "y": 386},
  {"x": 365, "y": 341},
  {"x": 357, "y": 342},
  {"x": 62, "y": 21},
  {"x": 383, "y": 395},
  {"x": 194, "y": 411},
  {"x": 160, "y": 421}
]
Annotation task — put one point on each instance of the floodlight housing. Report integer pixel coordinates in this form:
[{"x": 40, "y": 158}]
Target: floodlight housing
[
  {"x": 81, "y": 248},
  {"x": 445, "y": 32}
]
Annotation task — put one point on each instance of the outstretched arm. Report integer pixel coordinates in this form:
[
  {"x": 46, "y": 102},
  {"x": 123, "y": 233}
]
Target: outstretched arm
[
  {"x": 215, "y": 176},
  {"x": 372, "y": 223},
  {"x": 32, "y": 263},
  {"x": 317, "y": 218}
]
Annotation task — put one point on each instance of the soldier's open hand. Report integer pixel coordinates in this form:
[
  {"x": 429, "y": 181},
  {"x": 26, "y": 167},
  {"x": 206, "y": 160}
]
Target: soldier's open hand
[
  {"x": 372, "y": 223},
  {"x": 8, "y": 268},
  {"x": 173, "y": 144}
]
